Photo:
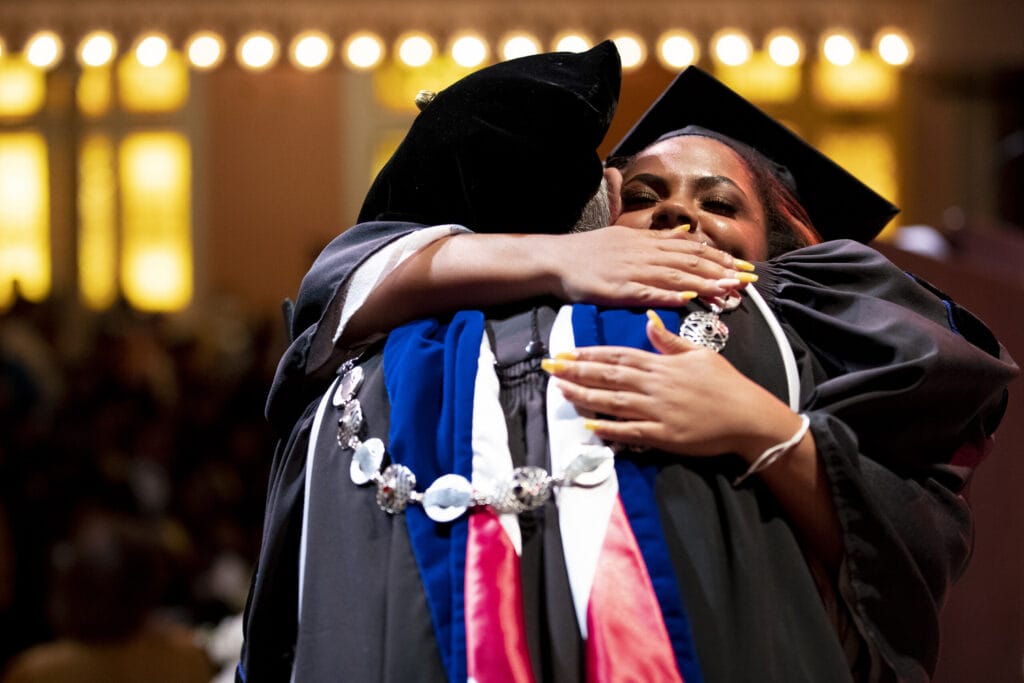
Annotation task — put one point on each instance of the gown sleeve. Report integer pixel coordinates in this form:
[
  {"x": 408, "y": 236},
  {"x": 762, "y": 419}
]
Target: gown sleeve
[
  {"x": 338, "y": 282},
  {"x": 905, "y": 389}
]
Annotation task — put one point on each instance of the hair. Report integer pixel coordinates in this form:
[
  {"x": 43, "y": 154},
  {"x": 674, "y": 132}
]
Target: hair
[
  {"x": 597, "y": 212},
  {"x": 787, "y": 223}
]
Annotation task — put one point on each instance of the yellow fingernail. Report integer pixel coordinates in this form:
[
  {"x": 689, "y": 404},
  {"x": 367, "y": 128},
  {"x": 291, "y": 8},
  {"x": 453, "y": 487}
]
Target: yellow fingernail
[
  {"x": 552, "y": 365},
  {"x": 688, "y": 295},
  {"x": 679, "y": 229},
  {"x": 744, "y": 265},
  {"x": 655, "y": 319},
  {"x": 592, "y": 425},
  {"x": 746, "y": 277},
  {"x": 567, "y": 355}
]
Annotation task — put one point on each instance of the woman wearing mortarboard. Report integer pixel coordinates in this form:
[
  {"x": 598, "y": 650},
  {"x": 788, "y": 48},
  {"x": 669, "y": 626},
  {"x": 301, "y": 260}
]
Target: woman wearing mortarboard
[{"x": 802, "y": 527}]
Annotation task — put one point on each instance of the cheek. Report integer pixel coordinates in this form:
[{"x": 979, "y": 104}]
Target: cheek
[
  {"x": 638, "y": 220},
  {"x": 740, "y": 238}
]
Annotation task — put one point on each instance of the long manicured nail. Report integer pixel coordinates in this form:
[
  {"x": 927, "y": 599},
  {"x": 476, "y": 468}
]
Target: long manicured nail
[
  {"x": 553, "y": 364},
  {"x": 567, "y": 355},
  {"x": 680, "y": 229},
  {"x": 655, "y": 319},
  {"x": 743, "y": 265},
  {"x": 728, "y": 282},
  {"x": 687, "y": 295},
  {"x": 746, "y": 277},
  {"x": 592, "y": 425}
]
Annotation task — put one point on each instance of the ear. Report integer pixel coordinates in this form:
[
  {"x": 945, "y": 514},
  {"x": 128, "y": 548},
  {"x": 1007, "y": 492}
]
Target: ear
[{"x": 613, "y": 178}]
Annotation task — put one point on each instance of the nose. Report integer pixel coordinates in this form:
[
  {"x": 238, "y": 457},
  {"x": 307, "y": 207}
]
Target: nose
[{"x": 670, "y": 215}]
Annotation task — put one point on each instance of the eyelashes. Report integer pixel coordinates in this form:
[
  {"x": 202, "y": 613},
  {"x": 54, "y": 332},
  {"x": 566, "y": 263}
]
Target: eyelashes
[
  {"x": 639, "y": 198},
  {"x": 720, "y": 206}
]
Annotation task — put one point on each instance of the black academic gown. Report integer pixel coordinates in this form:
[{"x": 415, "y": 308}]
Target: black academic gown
[{"x": 878, "y": 363}]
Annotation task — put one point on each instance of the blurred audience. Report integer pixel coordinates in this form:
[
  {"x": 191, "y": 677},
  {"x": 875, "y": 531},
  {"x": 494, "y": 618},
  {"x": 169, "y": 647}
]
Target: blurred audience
[{"x": 133, "y": 467}]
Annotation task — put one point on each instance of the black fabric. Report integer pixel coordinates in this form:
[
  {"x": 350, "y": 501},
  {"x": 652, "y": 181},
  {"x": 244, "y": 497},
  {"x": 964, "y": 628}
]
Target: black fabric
[
  {"x": 307, "y": 365},
  {"x": 840, "y": 205},
  {"x": 897, "y": 393},
  {"x": 490, "y": 134},
  {"x": 864, "y": 336}
]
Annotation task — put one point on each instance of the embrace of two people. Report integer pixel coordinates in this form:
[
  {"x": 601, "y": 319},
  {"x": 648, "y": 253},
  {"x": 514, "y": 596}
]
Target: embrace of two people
[{"x": 748, "y": 465}]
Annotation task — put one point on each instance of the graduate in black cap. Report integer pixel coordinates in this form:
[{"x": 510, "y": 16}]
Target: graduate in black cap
[{"x": 871, "y": 358}]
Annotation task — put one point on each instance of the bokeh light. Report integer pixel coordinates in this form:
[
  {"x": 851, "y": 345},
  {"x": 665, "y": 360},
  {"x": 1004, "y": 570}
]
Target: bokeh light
[
  {"x": 677, "y": 49},
  {"x": 894, "y": 47},
  {"x": 785, "y": 48},
  {"x": 517, "y": 45},
  {"x": 364, "y": 50},
  {"x": 151, "y": 49},
  {"x": 572, "y": 41},
  {"x": 469, "y": 50},
  {"x": 631, "y": 49},
  {"x": 416, "y": 49},
  {"x": 258, "y": 50},
  {"x": 732, "y": 47},
  {"x": 839, "y": 48},
  {"x": 205, "y": 50},
  {"x": 44, "y": 50},
  {"x": 97, "y": 49},
  {"x": 311, "y": 50}
]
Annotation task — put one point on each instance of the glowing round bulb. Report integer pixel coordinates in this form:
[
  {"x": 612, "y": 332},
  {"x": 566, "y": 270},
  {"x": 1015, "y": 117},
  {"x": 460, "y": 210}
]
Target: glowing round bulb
[
  {"x": 44, "y": 49},
  {"x": 364, "y": 51},
  {"x": 631, "y": 50},
  {"x": 151, "y": 50},
  {"x": 205, "y": 50},
  {"x": 97, "y": 49},
  {"x": 894, "y": 48},
  {"x": 785, "y": 50},
  {"x": 311, "y": 50},
  {"x": 519, "y": 45},
  {"x": 469, "y": 51},
  {"x": 839, "y": 49},
  {"x": 572, "y": 42},
  {"x": 733, "y": 48},
  {"x": 258, "y": 51},
  {"x": 415, "y": 49},
  {"x": 677, "y": 50}
]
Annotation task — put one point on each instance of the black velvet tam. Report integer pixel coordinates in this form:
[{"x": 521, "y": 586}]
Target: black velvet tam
[
  {"x": 509, "y": 148},
  {"x": 840, "y": 205}
]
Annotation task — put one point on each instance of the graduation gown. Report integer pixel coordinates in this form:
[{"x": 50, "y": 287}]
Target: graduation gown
[{"x": 900, "y": 407}]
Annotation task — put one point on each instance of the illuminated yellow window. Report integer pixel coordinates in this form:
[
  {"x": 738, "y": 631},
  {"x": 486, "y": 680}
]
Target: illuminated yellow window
[
  {"x": 24, "y": 217},
  {"x": 162, "y": 87},
  {"x": 867, "y": 83},
  {"x": 97, "y": 223},
  {"x": 94, "y": 91},
  {"x": 869, "y": 154},
  {"x": 395, "y": 84},
  {"x": 761, "y": 79},
  {"x": 22, "y": 88},
  {"x": 156, "y": 240}
]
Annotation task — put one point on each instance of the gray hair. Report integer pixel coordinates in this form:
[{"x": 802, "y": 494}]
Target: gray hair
[{"x": 597, "y": 212}]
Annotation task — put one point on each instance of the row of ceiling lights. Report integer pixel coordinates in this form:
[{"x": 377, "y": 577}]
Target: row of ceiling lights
[{"x": 312, "y": 50}]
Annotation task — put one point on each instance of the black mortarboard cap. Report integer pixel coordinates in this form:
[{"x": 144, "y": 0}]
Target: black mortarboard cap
[
  {"x": 839, "y": 205},
  {"x": 509, "y": 148}
]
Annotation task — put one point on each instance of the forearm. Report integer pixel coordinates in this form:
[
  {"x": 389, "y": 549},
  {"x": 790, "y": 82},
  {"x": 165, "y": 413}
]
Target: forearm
[
  {"x": 463, "y": 271},
  {"x": 797, "y": 481}
]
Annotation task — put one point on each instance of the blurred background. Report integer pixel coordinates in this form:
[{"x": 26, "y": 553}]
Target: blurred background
[{"x": 169, "y": 169}]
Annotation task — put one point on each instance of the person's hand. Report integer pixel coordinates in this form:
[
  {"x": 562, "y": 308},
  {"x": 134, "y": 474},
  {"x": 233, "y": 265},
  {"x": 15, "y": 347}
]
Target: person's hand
[
  {"x": 687, "y": 399},
  {"x": 620, "y": 266}
]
